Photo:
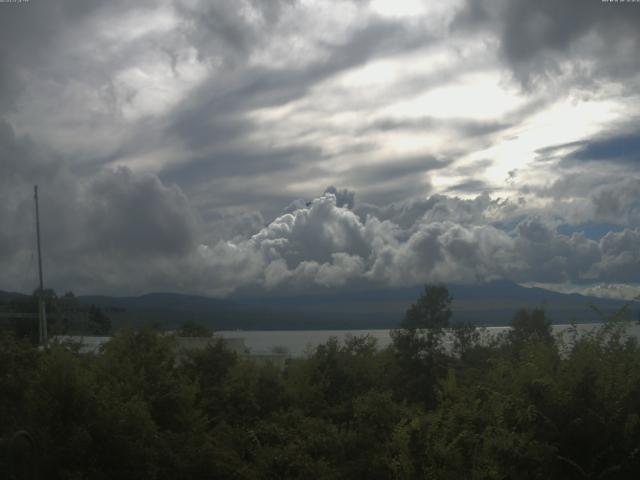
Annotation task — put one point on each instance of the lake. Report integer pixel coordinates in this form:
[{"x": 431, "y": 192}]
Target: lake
[{"x": 298, "y": 343}]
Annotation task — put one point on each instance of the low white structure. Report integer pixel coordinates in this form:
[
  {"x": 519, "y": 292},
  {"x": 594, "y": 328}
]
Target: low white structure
[{"x": 85, "y": 344}]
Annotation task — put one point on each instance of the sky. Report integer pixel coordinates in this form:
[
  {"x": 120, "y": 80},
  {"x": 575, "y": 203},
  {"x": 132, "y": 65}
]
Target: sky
[{"x": 215, "y": 147}]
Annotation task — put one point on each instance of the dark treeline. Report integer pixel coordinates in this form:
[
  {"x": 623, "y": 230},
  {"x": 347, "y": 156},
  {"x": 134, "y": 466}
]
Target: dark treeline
[
  {"x": 524, "y": 405},
  {"x": 67, "y": 316}
]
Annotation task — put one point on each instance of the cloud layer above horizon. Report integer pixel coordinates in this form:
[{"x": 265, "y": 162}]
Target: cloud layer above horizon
[{"x": 186, "y": 145}]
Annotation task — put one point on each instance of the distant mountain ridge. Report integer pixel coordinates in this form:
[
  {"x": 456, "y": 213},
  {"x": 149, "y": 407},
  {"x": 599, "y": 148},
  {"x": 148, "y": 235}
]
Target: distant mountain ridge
[
  {"x": 8, "y": 296},
  {"x": 488, "y": 304}
]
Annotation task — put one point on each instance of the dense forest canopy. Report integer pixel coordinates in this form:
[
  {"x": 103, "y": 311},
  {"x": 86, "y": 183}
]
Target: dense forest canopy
[{"x": 524, "y": 405}]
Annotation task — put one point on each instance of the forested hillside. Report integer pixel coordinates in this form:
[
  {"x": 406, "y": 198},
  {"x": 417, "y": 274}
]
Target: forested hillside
[
  {"x": 323, "y": 309},
  {"x": 524, "y": 405}
]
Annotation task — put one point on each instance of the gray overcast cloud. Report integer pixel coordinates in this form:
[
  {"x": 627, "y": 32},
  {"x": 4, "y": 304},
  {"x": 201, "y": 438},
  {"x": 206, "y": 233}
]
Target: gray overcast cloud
[{"x": 196, "y": 146}]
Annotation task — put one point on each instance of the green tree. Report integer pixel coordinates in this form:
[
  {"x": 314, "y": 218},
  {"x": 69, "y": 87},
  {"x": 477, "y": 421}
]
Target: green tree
[
  {"x": 530, "y": 325},
  {"x": 465, "y": 340},
  {"x": 432, "y": 310},
  {"x": 191, "y": 328},
  {"x": 336, "y": 373},
  {"x": 98, "y": 322},
  {"x": 418, "y": 343}
]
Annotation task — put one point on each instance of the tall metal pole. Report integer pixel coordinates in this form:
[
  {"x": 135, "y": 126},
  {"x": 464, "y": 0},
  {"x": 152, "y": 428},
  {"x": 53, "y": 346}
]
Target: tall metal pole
[{"x": 42, "y": 312}]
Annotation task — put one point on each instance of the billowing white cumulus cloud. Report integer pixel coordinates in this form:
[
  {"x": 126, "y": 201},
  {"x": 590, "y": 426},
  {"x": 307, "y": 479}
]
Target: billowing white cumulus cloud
[
  {"x": 449, "y": 240},
  {"x": 325, "y": 245},
  {"x": 205, "y": 146},
  {"x": 328, "y": 245},
  {"x": 129, "y": 232}
]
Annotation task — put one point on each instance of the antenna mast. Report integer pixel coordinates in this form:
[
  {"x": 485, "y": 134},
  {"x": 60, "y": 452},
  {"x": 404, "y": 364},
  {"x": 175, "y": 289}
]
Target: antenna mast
[{"x": 42, "y": 312}]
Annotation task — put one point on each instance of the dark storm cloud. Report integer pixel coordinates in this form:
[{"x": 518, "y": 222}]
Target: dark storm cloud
[
  {"x": 466, "y": 127},
  {"x": 617, "y": 149},
  {"x": 213, "y": 123},
  {"x": 10, "y": 85},
  {"x": 345, "y": 198},
  {"x": 224, "y": 196},
  {"x": 22, "y": 158},
  {"x": 36, "y": 36},
  {"x": 617, "y": 203},
  {"x": 258, "y": 87},
  {"x": 376, "y": 39},
  {"x": 473, "y": 15},
  {"x": 200, "y": 127},
  {"x": 481, "y": 133},
  {"x": 117, "y": 212},
  {"x": 27, "y": 34},
  {"x": 223, "y": 163},
  {"x": 553, "y": 152},
  {"x": 534, "y": 28},
  {"x": 232, "y": 227},
  {"x": 438, "y": 208},
  {"x": 398, "y": 190},
  {"x": 621, "y": 256},
  {"x": 546, "y": 37},
  {"x": 596, "y": 178},
  {"x": 23, "y": 164},
  {"x": 474, "y": 168},
  {"x": 396, "y": 169},
  {"x": 221, "y": 30},
  {"x": 470, "y": 186},
  {"x": 136, "y": 214},
  {"x": 395, "y": 179},
  {"x": 583, "y": 195},
  {"x": 94, "y": 229}
]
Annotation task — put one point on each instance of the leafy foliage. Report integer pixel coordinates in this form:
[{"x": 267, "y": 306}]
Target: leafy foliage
[
  {"x": 191, "y": 328},
  {"x": 523, "y": 406},
  {"x": 418, "y": 344}
]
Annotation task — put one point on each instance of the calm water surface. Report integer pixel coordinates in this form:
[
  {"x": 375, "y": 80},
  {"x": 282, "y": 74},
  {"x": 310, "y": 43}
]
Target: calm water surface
[{"x": 299, "y": 342}]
